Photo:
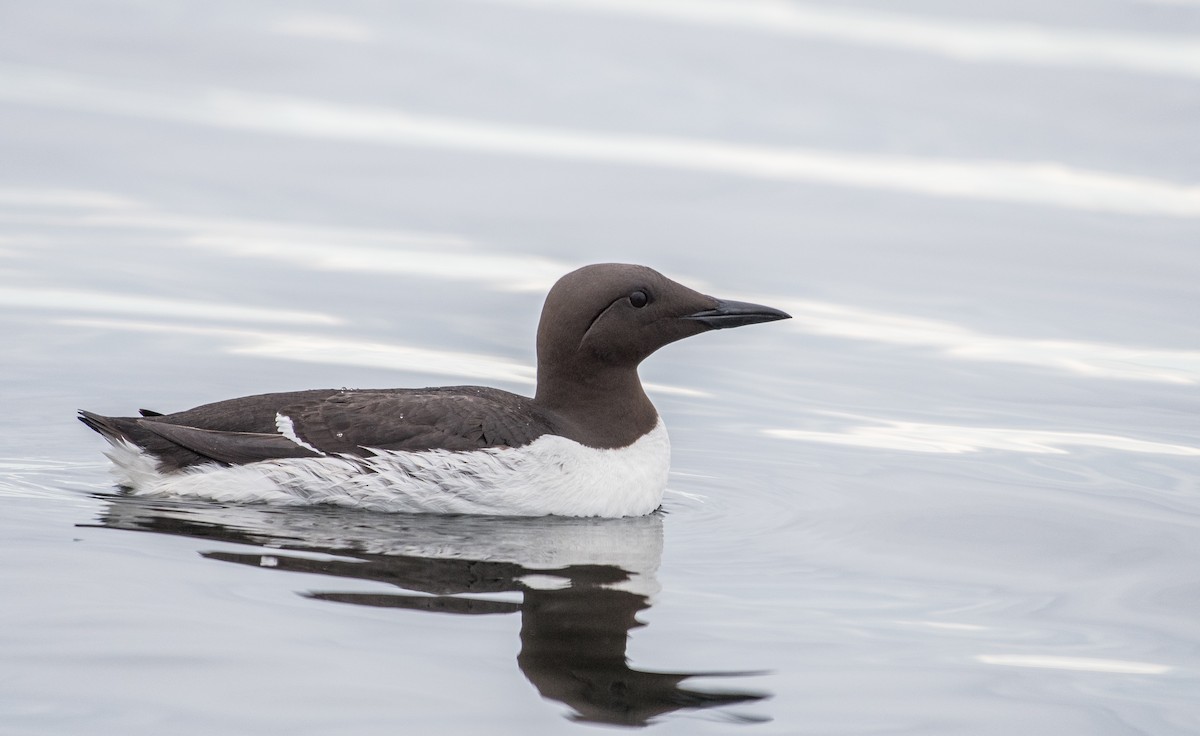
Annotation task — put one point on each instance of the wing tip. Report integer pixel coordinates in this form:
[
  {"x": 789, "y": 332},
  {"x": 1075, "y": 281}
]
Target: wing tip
[{"x": 99, "y": 423}]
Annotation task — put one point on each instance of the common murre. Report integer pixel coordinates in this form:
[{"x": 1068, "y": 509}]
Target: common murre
[{"x": 589, "y": 443}]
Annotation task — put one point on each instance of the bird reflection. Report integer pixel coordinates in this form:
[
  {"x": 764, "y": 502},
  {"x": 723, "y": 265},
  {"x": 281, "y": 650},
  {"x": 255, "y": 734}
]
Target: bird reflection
[{"x": 581, "y": 584}]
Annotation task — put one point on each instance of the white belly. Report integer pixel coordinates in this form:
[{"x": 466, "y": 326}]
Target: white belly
[{"x": 551, "y": 475}]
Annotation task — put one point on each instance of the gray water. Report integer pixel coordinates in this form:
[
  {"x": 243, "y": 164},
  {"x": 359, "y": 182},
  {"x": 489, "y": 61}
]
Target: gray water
[{"x": 956, "y": 494}]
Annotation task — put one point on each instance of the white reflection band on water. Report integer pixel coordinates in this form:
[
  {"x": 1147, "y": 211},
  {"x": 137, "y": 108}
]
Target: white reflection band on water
[
  {"x": 63, "y": 198},
  {"x": 324, "y": 27},
  {"x": 92, "y": 208},
  {"x": 1076, "y": 664},
  {"x": 308, "y": 348},
  {"x": 314, "y": 247},
  {"x": 454, "y": 258},
  {"x": 333, "y": 350},
  {"x": 959, "y": 40},
  {"x": 85, "y": 300},
  {"x": 1041, "y": 183},
  {"x": 957, "y": 439},
  {"x": 1098, "y": 360},
  {"x": 944, "y": 625},
  {"x": 545, "y": 582},
  {"x": 507, "y": 272}
]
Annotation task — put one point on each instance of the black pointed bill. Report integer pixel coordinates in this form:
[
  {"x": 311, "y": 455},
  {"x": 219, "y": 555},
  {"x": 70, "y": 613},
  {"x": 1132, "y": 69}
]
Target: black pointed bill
[{"x": 729, "y": 313}]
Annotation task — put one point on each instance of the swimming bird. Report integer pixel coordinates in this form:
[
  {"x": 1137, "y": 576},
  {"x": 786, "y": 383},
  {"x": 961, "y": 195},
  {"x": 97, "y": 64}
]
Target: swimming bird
[{"x": 588, "y": 443}]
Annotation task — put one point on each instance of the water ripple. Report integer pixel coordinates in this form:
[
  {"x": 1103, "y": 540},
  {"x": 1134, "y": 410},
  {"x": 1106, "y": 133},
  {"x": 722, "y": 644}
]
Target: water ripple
[
  {"x": 957, "y": 40},
  {"x": 1077, "y": 664},
  {"x": 1078, "y": 357},
  {"x": 1042, "y": 183},
  {"x": 957, "y": 439}
]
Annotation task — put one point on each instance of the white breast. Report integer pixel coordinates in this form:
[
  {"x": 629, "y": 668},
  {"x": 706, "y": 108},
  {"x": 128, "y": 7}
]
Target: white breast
[{"x": 551, "y": 475}]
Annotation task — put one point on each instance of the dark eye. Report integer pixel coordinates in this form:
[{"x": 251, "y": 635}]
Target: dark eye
[{"x": 639, "y": 299}]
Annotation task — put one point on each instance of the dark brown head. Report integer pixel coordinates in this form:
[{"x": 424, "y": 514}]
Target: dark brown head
[{"x": 605, "y": 319}]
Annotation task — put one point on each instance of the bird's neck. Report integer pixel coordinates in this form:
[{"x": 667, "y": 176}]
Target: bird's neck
[{"x": 600, "y": 407}]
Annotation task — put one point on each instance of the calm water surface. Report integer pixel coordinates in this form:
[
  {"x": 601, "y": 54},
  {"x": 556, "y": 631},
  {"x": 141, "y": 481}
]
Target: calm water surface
[{"x": 957, "y": 494}]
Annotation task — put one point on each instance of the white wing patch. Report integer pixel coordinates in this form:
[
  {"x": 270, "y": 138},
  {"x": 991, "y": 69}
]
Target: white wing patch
[
  {"x": 284, "y": 424},
  {"x": 551, "y": 475}
]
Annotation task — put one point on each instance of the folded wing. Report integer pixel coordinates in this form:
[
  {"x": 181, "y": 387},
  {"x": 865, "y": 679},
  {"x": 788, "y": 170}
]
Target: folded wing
[{"x": 329, "y": 422}]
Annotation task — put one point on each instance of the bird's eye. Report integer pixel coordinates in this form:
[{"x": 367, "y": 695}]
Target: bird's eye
[{"x": 639, "y": 299}]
